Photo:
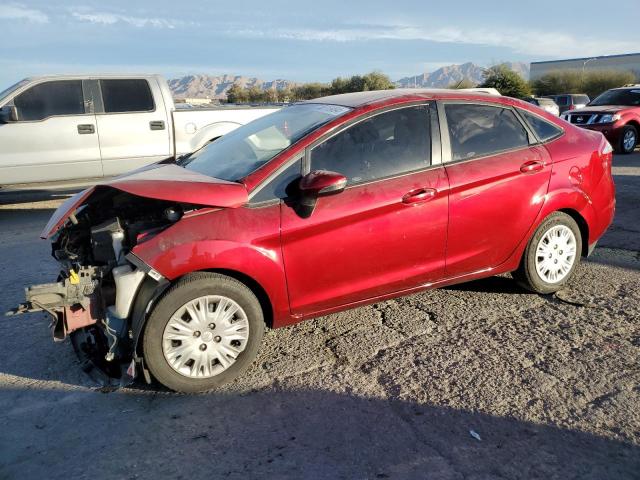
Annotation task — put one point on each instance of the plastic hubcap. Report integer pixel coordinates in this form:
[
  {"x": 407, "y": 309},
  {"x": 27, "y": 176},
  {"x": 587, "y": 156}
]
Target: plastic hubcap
[
  {"x": 556, "y": 254},
  {"x": 205, "y": 336}
]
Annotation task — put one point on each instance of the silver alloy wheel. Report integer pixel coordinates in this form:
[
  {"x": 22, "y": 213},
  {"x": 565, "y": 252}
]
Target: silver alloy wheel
[
  {"x": 204, "y": 337},
  {"x": 629, "y": 140},
  {"x": 556, "y": 254}
]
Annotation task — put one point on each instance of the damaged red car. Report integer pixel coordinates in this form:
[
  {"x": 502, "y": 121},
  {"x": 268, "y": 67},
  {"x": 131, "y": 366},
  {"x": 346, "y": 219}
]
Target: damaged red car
[{"x": 174, "y": 271}]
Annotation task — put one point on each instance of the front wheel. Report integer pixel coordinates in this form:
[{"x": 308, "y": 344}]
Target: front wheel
[
  {"x": 552, "y": 255},
  {"x": 203, "y": 333},
  {"x": 628, "y": 139}
]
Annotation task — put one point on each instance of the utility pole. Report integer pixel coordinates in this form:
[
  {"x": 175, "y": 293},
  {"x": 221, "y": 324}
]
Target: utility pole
[{"x": 584, "y": 64}]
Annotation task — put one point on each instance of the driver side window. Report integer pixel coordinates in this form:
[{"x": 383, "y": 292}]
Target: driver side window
[
  {"x": 385, "y": 145},
  {"x": 48, "y": 99}
]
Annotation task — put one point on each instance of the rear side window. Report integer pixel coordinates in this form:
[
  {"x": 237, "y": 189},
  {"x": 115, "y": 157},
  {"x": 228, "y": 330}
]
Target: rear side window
[
  {"x": 384, "y": 145},
  {"x": 50, "y": 99},
  {"x": 121, "y": 96},
  {"x": 562, "y": 100},
  {"x": 482, "y": 130},
  {"x": 544, "y": 130},
  {"x": 580, "y": 99}
]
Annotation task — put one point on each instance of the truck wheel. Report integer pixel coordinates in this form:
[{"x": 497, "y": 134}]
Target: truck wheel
[
  {"x": 203, "y": 333},
  {"x": 628, "y": 139},
  {"x": 552, "y": 254}
]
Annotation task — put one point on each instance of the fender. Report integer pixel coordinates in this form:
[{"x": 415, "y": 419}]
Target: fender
[
  {"x": 565, "y": 199},
  {"x": 204, "y": 242},
  {"x": 210, "y": 132}
]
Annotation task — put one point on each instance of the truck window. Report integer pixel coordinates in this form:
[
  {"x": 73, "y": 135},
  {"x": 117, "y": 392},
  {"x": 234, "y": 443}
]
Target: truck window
[
  {"x": 132, "y": 95},
  {"x": 48, "y": 99}
]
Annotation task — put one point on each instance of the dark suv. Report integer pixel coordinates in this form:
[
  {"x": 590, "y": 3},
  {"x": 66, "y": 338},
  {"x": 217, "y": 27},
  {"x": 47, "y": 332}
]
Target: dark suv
[
  {"x": 616, "y": 114},
  {"x": 569, "y": 101}
]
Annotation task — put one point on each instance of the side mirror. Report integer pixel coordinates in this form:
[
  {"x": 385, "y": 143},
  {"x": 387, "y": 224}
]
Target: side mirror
[
  {"x": 322, "y": 182},
  {"x": 316, "y": 184},
  {"x": 8, "y": 113}
]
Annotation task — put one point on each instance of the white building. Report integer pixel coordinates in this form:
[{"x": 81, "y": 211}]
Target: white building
[{"x": 626, "y": 62}]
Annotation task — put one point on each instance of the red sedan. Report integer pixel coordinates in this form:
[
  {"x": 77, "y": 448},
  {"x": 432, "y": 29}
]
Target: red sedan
[{"x": 176, "y": 269}]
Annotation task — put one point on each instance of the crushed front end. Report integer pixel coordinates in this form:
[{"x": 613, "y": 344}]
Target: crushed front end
[{"x": 103, "y": 291}]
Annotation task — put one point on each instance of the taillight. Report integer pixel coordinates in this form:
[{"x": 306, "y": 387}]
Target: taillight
[
  {"x": 606, "y": 148},
  {"x": 571, "y": 107},
  {"x": 606, "y": 154}
]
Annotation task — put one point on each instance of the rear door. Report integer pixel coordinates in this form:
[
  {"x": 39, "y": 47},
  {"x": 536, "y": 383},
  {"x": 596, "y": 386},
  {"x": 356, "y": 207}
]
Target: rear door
[
  {"x": 387, "y": 231},
  {"x": 498, "y": 179},
  {"x": 54, "y": 138},
  {"x": 132, "y": 125}
]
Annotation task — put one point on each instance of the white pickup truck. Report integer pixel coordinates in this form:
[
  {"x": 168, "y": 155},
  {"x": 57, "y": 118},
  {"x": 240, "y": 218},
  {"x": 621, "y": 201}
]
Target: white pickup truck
[{"x": 55, "y": 128}]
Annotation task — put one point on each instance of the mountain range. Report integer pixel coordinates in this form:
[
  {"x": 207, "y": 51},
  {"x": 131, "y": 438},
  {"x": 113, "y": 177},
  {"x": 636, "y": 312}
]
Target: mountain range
[
  {"x": 209, "y": 86},
  {"x": 216, "y": 87}
]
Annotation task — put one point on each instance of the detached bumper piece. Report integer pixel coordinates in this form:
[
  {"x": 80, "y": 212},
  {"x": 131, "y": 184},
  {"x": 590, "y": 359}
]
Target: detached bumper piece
[
  {"x": 75, "y": 302},
  {"x": 76, "y": 305}
]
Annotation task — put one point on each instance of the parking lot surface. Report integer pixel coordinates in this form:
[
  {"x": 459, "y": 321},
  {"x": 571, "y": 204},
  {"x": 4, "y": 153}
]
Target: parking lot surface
[{"x": 477, "y": 381}]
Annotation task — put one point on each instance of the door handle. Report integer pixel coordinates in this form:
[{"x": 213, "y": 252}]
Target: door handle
[
  {"x": 156, "y": 125},
  {"x": 86, "y": 129},
  {"x": 531, "y": 167},
  {"x": 419, "y": 195}
]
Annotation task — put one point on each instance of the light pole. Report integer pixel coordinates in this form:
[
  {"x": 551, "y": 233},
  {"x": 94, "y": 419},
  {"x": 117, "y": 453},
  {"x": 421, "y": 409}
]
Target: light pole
[{"x": 584, "y": 64}]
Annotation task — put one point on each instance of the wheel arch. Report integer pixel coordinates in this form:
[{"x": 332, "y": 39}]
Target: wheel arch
[
  {"x": 152, "y": 293},
  {"x": 582, "y": 225},
  {"x": 253, "y": 285},
  {"x": 634, "y": 123}
]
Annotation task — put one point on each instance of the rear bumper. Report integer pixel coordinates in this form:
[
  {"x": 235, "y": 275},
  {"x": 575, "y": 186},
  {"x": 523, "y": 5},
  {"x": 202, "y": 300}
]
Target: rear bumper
[{"x": 611, "y": 131}]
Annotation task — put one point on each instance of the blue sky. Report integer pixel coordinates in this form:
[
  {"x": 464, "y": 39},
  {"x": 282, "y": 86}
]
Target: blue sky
[{"x": 302, "y": 41}]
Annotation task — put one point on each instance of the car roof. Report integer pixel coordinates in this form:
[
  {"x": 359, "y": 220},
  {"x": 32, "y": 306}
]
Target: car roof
[
  {"x": 359, "y": 99},
  {"x": 90, "y": 76}
]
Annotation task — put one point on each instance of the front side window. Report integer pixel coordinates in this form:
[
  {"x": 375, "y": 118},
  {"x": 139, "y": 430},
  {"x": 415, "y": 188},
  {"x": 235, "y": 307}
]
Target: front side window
[
  {"x": 49, "y": 99},
  {"x": 544, "y": 130},
  {"x": 132, "y": 95},
  {"x": 7, "y": 91},
  {"x": 278, "y": 187},
  {"x": 384, "y": 145},
  {"x": 247, "y": 148},
  {"x": 482, "y": 130}
]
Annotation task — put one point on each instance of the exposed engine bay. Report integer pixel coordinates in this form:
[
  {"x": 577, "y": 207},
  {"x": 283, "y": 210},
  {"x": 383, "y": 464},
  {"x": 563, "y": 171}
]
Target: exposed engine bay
[{"x": 99, "y": 279}]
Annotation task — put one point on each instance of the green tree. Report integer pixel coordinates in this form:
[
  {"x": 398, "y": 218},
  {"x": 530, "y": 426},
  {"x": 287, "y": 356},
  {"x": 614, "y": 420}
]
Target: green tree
[
  {"x": 236, "y": 94},
  {"x": 464, "y": 83},
  {"x": 574, "y": 81},
  {"x": 506, "y": 81}
]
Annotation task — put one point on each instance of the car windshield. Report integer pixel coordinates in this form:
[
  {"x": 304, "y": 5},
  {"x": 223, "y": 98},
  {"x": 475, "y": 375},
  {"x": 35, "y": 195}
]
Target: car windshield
[
  {"x": 625, "y": 96},
  {"x": 12, "y": 88},
  {"x": 247, "y": 148}
]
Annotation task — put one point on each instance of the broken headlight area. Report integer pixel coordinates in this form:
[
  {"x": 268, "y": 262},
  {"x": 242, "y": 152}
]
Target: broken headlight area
[{"x": 93, "y": 298}]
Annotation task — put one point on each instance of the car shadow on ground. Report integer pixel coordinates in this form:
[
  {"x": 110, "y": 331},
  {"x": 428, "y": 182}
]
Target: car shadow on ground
[
  {"x": 288, "y": 433},
  {"x": 36, "y": 195},
  {"x": 501, "y": 284}
]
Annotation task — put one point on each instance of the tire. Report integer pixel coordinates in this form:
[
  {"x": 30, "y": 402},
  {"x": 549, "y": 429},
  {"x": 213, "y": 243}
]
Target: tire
[
  {"x": 625, "y": 144},
  {"x": 166, "y": 322},
  {"x": 529, "y": 276}
]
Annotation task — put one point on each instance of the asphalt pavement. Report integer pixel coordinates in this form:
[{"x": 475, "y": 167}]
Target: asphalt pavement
[{"x": 477, "y": 381}]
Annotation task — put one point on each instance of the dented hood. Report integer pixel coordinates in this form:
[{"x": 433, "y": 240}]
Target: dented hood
[{"x": 163, "y": 182}]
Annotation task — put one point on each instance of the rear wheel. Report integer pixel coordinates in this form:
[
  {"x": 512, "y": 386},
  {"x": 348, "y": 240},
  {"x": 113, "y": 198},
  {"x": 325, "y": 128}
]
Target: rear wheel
[
  {"x": 203, "y": 333},
  {"x": 552, "y": 255},
  {"x": 628, "y": 139}
]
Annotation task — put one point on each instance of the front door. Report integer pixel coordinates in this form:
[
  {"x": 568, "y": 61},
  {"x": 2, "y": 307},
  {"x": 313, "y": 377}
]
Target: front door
[
  {"x": 54, "y": 137},
  {"x": 498, "y": 181},
  {"x": 387, "y": 231}
]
